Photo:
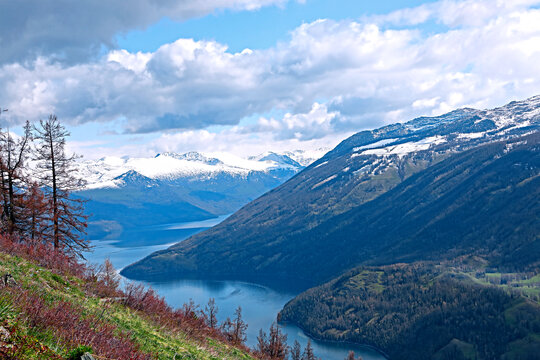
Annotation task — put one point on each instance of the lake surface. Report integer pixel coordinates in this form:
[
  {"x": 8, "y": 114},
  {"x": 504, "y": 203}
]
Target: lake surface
[{"x": 260, "y": 304}]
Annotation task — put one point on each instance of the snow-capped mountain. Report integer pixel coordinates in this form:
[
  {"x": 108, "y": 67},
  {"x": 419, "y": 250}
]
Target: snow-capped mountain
[
  {"x": 169, "y": 187},
  {"x": 430, "y": 138},
  {"x": 108, "y": 172},
  {"x": 407, "y": 191}
]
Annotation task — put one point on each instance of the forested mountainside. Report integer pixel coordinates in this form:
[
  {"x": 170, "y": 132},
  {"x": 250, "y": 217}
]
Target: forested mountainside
[
  {"x": 425, "y": 311},
  {"x": 437, "y": 187}
]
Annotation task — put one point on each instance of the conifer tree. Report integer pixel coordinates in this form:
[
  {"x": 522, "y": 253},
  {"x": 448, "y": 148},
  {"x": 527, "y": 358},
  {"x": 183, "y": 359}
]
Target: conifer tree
[
  {"x": 211, "y": 313},
  {"x": 308, "y": 352},
  {"x": 296, "y": 351},
  {"x": 13, "y": 155},
  {"x": 57, "y": 175}
]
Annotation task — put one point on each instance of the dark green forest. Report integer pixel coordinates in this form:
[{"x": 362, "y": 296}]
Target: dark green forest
[{"x": 420, "y": 311}]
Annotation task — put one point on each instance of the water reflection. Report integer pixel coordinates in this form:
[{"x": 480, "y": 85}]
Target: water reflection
[{"x": 260, "y": 304}]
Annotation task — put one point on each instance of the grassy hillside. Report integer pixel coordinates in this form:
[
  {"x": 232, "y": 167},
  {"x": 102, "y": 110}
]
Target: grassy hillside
[
  {"x": 51, "y": 307},
  {"x": 424, "y": 311}
]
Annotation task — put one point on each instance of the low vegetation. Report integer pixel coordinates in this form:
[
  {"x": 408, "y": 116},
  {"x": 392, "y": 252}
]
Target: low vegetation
[{"x": 52, "y": 307}]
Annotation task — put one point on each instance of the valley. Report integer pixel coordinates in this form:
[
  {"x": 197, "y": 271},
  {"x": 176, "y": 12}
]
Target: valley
[
  {"x": 427, "y": 203},
  {"x": 420, "y": 239},
  {"x": 260, "y": 304},
  {"x": 270, "y": 180}
]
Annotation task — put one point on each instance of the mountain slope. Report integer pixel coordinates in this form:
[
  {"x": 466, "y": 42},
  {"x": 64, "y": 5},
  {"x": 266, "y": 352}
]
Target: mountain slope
[{"x": 346, "y": 204}]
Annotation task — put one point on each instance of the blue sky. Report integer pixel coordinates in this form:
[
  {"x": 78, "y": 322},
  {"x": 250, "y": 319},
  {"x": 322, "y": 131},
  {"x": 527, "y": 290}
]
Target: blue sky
[
  {"x": 256, "y": 29},
  {"x": 142, "y": 77}
]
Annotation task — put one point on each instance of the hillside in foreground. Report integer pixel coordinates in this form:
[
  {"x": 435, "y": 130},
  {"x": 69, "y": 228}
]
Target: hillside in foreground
[{"x": 52, "y": 308}]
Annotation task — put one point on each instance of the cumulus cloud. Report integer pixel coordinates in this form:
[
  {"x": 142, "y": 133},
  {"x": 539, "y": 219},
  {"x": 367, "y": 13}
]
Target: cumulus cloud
[
  {"x": 331, "y": 77},
  {"x": 75, "y": 30},
  {"x": 315, "y": 124}
]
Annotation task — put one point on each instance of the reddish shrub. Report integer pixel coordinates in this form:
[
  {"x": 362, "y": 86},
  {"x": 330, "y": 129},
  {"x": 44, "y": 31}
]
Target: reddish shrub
[
  {"x": 102, "y": 281},
  {"x": 42, "y": 254},
  {"x": 67, "y": 322}
]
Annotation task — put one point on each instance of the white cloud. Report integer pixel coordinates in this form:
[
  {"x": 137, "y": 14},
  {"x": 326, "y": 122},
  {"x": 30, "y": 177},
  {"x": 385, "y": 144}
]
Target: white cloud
[
  {"x": 452, "y": 13},
  {"x": 315, "y": 124},
  {"x": 233, "y": 140},
  {"x": 330, "y": 78}
]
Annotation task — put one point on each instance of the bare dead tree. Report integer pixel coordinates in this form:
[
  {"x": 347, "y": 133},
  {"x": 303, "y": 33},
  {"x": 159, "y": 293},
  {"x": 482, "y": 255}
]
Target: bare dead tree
[
  {"x": 308, "y": 352},
  {"x": 35, "y": 212},
  {"x": 296, "y": 351},
  {"x": 273, "y": 346},
  {"x": 57, "y": 175},
  {"x": 235, "y": 330}
]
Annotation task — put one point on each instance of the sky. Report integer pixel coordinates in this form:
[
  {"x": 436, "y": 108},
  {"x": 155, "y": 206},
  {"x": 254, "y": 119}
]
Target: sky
[{"x": 140, "y": 77}]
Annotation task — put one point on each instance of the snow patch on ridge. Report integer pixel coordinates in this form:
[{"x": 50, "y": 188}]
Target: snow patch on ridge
[
  {"x": 375, "y": 144},
  {"x": 406, "y": 148},
  {"x": 323, "y": 182}
]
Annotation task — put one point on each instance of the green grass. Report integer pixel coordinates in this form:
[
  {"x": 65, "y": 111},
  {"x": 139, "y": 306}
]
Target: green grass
[
  {"x": 467, "y": 350},
  {"x": 518, "y": 283},
  {"x": 523, "y": 348},
  {"x": 370, "y": 280},
  {"x": 148, "y": 335}
]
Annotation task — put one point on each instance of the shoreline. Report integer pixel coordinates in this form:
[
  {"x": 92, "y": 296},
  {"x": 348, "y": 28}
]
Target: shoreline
[{"x": 312, "y": 337}]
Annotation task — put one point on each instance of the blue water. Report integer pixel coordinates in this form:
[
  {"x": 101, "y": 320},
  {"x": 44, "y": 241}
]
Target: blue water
[{"x": 260, "y": 304}]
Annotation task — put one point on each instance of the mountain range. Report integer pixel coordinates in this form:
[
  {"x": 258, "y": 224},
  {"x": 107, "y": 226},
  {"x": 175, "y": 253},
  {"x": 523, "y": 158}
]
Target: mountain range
[
  {"x": 430, "y": 188},
  {"x": 169, "y": 188}
]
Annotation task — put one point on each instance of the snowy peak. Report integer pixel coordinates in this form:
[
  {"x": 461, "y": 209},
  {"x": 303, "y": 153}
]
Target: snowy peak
[
  {"x": 457, "y": 129},
  {"x": 282, "y": 160},
  {"x": 192, "y": 156},
  {"x": 132, "y": 177},
  {"x": 425, "y": 123},
  {"x": 516, "y": 113}
]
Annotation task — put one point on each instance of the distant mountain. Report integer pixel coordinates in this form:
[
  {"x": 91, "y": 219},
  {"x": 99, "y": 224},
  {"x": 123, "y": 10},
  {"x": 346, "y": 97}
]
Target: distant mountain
[
  {"x": 105, "y": 172},
  {"x": 129, "y": 192},
  {"x": 283, "y": 160},
  {"x": 429, "y": 188}
]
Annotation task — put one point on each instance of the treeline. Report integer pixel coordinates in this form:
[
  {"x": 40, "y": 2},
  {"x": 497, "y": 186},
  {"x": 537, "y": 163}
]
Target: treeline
[
  {"x": 418, "y": 312},
  {"x": 37, "y": 179}
]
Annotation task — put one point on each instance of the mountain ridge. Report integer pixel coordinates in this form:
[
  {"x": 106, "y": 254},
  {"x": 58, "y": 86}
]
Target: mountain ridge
[{"x": 271, "y": 236}]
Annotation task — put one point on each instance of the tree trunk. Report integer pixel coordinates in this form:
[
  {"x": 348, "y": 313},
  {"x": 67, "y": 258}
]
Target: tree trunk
[{"x": 54, "y": 196}]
